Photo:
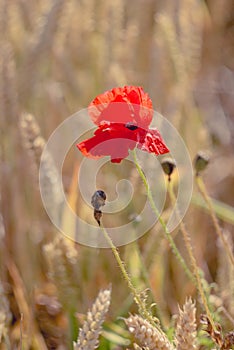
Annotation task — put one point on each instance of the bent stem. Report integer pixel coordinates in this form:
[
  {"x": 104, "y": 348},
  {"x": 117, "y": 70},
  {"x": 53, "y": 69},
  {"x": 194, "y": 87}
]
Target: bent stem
[
  {"x": 203, "y": 191},
  {"x": 142, "y": 308},
  {"x": 160, "y": 219},
  {"x": 189, "y": 247}
]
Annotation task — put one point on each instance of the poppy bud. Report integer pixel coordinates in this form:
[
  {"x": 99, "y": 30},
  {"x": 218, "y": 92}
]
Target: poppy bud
[
  {"x": 168, "y": 165},
  {"x": 97, "y": 201},
  {"x": 200, "y": 162}
]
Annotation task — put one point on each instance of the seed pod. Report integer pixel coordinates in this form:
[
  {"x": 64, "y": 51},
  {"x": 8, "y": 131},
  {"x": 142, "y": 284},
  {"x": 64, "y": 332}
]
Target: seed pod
[
  {"x": 228, "y": 341},
  {"x": 200, "y": 162},
  {"x": 97, "y": 201},
  {"x": 168, "y": 165}
]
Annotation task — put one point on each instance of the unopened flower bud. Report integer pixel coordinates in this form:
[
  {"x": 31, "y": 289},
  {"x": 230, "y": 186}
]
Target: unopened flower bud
[
  {"x": 168, "y": 165},
  {"x": 200, "y": 162}
]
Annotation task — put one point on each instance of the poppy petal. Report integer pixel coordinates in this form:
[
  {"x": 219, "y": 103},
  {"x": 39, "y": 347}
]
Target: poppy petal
[
  {"x": 114, "y": 140},
  {"x": 123, "y": 116},
  {"x": 123, "y": 105},
  {"x": 151, "y": 141}
]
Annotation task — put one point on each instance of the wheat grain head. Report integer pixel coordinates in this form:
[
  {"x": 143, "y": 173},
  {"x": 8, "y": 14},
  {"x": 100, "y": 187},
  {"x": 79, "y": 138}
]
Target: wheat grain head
[
  {"x": 146, "y": 335},
  {"x": 89, "y": 333}
]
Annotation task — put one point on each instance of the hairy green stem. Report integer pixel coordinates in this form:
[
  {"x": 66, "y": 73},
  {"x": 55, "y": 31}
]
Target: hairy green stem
[
  {"x": 148, "y": 285},
  {"x": 142, "y": 308},
  {"x": 160, "y": 219},
  {"x": 73, "y": 327}
]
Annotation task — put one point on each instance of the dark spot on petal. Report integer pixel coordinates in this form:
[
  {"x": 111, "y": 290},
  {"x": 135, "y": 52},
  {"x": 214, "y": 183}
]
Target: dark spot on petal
[{"x": 131, "y": 126}]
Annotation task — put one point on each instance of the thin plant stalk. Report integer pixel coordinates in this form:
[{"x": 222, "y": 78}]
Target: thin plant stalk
[
  {"x": 148, "y": 284},
  {"x": 142, "y": 308},
  {"x": 161, "y": 221},
  {"x": 73, "y": 328},
  {"x": 21, "y": 330},
  {"x": 189, "y": 247},
  {"x": 203, "y": 191},
  {"x": 144, "y": 270}
]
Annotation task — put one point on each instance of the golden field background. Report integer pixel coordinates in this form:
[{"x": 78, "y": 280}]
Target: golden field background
[{"x": 55, "y": 57}]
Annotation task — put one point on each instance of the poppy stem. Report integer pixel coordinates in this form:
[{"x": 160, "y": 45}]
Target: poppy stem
[
  {"x": 203, "y": 191},
  {"x": 160, "y": 219},
  {"x": 137, "y": 297},
  {"x": 189, "y": 247}
]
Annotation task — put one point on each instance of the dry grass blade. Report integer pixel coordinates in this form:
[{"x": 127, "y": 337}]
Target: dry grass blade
[
  {"x": 89, "y": 333},
  {"x": 20, "y": 293},
  {"x": 5, "y": 314},
  {"x": 202, "y": 188},
  {"x": 190, "y": 22},
  {"x": 8, "y": 91},
  {"x": 186, "y": 328},
  {"x": 167, "y": 29},
  {"x": 3, "y": 17},
  {"x": 226, "y": 274},
  {"x": 146, "y": 335},
  {"x": 47, "y": 29},
  {"x": 42, "y": 43}
]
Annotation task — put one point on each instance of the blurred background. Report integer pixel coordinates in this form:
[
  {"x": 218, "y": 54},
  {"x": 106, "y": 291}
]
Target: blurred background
[{"x": 55, "y": 57}]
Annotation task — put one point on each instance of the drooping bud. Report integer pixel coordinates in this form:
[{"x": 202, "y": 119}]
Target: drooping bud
[
  {"x": 97, "y": 216},
  {"x": 168, "y": 165},
  {"x": 200, "y": 162}
]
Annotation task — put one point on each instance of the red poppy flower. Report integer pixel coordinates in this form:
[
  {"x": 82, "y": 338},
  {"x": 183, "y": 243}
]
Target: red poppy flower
[
  {"x": 134, "y": 106},
  {"x": 123, "y": 116}
]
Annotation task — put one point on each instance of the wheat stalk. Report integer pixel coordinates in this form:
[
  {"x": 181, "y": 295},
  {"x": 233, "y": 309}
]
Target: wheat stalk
[
  {"x": 226, "y": 274},
  {"x": 62, "y": 262},
  {"x": 146, "y": 335},
  {"x": 190, "y": 39},
  {"x": 33, "y": 142},
  {"x": 4, "y": 16},
  {"x": 8, "y": 91},
  {"x": 186, "y": 328},
  {"x": 40, "y": 45},
  {"x": 89, "y": 333},
  {"x": 49, "y": 177}
]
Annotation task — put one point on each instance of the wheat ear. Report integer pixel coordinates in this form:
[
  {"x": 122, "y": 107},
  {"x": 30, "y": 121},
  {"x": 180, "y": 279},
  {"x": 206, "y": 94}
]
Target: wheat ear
[
  {"x": 186, "y": 328},
  {"x": 146, "y": 335},
  {"x": 89, "y": 333}
]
